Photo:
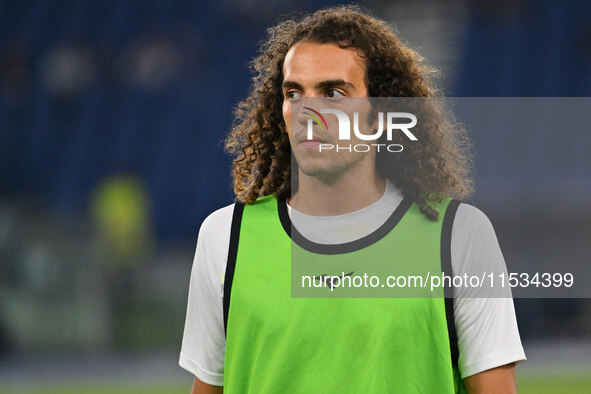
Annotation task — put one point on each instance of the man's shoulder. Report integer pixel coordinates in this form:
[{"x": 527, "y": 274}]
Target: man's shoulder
[
  {"x": 221, "y": 219},
  {"x": 471, "y": 219},
  {"x": 217, "y": 222}
]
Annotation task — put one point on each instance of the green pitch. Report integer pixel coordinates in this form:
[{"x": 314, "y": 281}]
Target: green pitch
[
  {"x": 554, "y": 384},
  {"x": 94, "y": 387}
]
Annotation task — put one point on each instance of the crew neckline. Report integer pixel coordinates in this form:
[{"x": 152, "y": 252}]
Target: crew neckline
[
  {"x": 389, "y": 191},
  {"x": 346, "y": 247}
]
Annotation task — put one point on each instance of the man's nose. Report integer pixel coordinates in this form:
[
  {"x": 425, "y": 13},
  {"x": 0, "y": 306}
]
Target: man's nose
[{"x": 307, "y": 108}]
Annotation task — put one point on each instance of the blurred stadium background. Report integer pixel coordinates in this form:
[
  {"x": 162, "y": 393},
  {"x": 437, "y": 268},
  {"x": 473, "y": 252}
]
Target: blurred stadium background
[{"x": 111, "y": 117}]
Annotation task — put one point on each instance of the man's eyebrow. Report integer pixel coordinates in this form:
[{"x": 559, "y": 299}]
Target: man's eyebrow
[
  {"x": 334, "y": 82},
  {"x": 319, "y": 85},
  {"x": 291, "y": 84}
]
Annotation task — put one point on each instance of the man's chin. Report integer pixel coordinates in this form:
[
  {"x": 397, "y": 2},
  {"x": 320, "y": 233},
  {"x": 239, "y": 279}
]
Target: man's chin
[{"x": 321, "y": 171}]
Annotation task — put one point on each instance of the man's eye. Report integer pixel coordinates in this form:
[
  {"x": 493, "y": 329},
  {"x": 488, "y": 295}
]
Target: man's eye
[
  {"x": 293, "y": 95},
  {"x": 334, "y": 94}
]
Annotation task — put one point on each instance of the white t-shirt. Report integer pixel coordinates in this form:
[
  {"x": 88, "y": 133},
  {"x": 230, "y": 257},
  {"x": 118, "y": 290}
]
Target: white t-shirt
[{"x": 486, "y": 328}]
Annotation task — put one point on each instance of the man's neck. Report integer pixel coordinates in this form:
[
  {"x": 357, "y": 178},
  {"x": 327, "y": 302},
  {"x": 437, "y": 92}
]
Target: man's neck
[{"x": 319, "y": 198}]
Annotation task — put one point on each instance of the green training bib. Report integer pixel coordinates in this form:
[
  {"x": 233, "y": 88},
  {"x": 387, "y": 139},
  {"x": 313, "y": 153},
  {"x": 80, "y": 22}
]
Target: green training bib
[{"x": 283, "y": 337}]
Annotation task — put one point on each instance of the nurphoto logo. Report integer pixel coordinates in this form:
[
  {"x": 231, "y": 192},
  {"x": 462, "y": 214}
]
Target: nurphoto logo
[{"x": 344, "y": 125}]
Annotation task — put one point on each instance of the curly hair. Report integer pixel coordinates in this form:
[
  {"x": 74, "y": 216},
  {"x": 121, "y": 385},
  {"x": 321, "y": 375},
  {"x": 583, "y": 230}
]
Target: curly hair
[{"x": 440, "y": 165}]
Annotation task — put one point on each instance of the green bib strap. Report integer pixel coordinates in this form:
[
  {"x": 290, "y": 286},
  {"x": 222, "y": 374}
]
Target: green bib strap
[
  {"x": 231, "y": 263},
  {"x": 448, "y": 220}
]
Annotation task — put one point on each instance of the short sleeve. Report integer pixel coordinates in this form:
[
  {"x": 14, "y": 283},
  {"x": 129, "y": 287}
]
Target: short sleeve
[
  {"x": 204, "y": 343},
  {"x": 488, "y": 336}
]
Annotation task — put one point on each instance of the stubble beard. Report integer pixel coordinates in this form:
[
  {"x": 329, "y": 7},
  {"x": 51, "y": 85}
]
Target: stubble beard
[{"x": 336, "y": 168}]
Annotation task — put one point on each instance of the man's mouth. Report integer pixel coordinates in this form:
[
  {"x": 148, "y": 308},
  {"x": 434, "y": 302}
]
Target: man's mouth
[
  {"x": 303, "y": 140},
  {"x": 312, "y": 142}
]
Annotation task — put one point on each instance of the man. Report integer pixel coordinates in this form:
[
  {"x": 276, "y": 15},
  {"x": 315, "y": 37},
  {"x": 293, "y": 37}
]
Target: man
[{"x": 244, "y": 330}]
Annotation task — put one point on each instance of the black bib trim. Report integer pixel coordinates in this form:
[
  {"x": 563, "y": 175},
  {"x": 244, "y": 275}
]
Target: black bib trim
[
  {"x": 346, "y": 247},
  {"x": 231, "y": 264},
  {"x": 446, "y": 229}
]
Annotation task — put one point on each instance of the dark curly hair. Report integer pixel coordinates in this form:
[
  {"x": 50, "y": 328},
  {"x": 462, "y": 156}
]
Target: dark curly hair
[{"x": 439, "y": 165}]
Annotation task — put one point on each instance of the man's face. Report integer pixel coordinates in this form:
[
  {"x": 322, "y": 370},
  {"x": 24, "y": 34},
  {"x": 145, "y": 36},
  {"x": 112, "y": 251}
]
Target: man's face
[{"x": 322, "y": 76}]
